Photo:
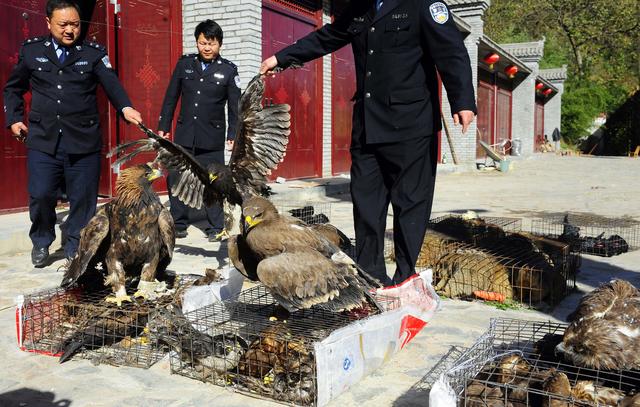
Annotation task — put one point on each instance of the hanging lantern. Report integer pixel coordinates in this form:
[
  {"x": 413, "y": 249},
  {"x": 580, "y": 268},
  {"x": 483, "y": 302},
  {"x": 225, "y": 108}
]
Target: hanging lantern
[
  {"x": 491, "y": 58},
  {"x": 547, "y": 91},
  {"x": 511, "y": 70},
  {"x": 539, "y": 86}
]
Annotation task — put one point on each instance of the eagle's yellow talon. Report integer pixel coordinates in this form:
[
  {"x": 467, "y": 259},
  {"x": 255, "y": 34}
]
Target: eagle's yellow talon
[
  {"x": 118, "y": 299},
  {"x": 222, "y": 234}
]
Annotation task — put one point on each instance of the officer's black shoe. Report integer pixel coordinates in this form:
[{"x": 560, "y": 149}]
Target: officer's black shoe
[
  {"x": 39, "y": 256},
  {"x": 181, "y": 234}
]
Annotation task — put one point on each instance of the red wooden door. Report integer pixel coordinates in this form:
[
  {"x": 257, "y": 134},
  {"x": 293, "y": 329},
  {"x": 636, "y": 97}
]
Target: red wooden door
[
  {"x": 538, "y": 126},
  {"x": 485, "y": 116},
  {"x": 343, "y": 86},
  {"x": 503, "y": 115},
  {"x": 20, "y": 20},
  {"x": 149, "y": 44},
  {"x": 300, "y": 88}
]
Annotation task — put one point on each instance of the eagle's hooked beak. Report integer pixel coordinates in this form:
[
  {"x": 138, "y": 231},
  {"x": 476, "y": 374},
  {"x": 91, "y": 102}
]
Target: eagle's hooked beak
[
  {"x": 155, "y": 174},
  {"x": 212, "y": 177},
  {"x": 250, "y": 222}
]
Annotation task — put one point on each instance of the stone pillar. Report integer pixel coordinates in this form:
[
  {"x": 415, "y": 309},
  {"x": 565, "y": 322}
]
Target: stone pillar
[
  {"x": 326, "y": 100},
  {"x": 553, "y": 107},
  {"x": 524, "y": 94},
  {"x": 471, "y": 12}
]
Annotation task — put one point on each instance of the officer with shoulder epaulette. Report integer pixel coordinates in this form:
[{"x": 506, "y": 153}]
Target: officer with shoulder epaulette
[
  {"x": 398, "y": 46},
  {"x": 206, "y": 82},
  {"x": 63, "y": 133}
]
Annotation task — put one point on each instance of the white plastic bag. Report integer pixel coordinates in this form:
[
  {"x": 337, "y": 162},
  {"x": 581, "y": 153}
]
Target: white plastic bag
[{"x": 229, "y": 288}]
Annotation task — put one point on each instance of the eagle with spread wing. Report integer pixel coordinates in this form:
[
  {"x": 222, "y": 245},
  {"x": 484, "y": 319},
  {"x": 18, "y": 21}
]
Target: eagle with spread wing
[
  {"x": 296, "y": 262},
  {"x": 133, "y": 236},
  {"x": 260, "y": 145}
]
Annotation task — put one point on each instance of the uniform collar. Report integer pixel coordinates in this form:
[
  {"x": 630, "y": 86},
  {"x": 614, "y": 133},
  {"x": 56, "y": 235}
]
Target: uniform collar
[
  {"x": 53, "y": 56},
  {"x": 215, "y": 66},
  {"x": 387, "y": 7}
]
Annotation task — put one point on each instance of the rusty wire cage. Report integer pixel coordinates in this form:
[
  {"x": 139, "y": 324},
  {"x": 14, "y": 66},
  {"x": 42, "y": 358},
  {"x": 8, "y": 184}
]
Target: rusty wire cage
[
  {"x": 513, "y": 267},
  {"x": 514, "y": 363},
  {"x": 591, "y": 234},
  {"x": 71, "y": 323},
  {"x": 240, "y": 345}
]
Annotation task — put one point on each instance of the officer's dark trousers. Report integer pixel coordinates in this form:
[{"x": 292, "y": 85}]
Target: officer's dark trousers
[
  {"x": 180, "y": 211},
  {"x": 402, "y": 174},
  {"x": 81, "y": 175}
]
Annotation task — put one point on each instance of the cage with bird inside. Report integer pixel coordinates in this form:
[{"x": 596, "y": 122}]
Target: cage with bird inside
[
  {"x": 255, "y": 347},
  {"x": 515, "y": 363},
  {"x": 484, "y": 261},
  {"x": 73, "y": 323},
  {"x": 591, "y": 234}
]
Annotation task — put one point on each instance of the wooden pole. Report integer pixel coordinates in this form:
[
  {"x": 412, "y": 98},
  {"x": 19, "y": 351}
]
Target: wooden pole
[{"x": 449, "y": 139}]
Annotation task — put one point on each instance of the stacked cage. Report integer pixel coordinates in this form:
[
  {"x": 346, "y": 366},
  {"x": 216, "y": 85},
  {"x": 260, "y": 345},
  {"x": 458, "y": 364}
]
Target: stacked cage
[
  {"x": 488, "y": 258},
  {"x": 515, "y": 363},
  {"x": 255, "y": 347},
  {"x": 591, "y": 234},
  {"x": 72, "y": 323}
]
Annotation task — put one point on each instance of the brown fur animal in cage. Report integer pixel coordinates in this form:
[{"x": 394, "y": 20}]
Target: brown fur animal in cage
[
  {"x": 467, "y": 230},
  {"x": 557, "y": 384},
  {"x": 461, "y": 273},
  {"x": 478, "y": 394}
]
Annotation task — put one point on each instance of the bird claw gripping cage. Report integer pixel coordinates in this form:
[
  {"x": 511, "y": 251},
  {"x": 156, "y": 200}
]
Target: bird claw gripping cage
[
  {"x": 72, "y": 323},
  {"x": 490, "y": 259},
  {"x": 255, "y": 347},
  {"x": 514, "y": 364},
  {"x": 591, "y": 234}
]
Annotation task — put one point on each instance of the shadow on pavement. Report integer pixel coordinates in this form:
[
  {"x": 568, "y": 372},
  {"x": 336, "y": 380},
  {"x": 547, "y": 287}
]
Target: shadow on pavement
[{"x": 30, "y": 397}]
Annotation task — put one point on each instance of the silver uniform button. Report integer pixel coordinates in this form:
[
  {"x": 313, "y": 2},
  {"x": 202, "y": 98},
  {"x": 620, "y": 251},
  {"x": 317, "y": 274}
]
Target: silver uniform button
[
  {"x": 368, "y": 73},
  {"x": 59, "y": 86},
  {"x": 217, "y": 83},
  {"x": 60, "y": 72},
  {"x": 373, "y": 29},
  {"x": 58, "y": 101},
  {"x": 370, "y": 51},
  {"x": 198, "y": 92},
  {"x": 58, "y": 116},
  {"x": 367, "y": 95},
  {"x": 195, "y": 117},
  {"x": 195, "y": 104}
]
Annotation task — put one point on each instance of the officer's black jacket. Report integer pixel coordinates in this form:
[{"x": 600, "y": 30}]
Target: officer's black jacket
[
  {"x": 63, "y": 94},
  {"x": 201, "y": 122},
  {"x": 396, "y": 52}
]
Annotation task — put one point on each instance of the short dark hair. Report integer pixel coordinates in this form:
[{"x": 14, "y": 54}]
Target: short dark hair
[
  {"x": 210, "y": 29},
  {"x": 53, "y": 5}
]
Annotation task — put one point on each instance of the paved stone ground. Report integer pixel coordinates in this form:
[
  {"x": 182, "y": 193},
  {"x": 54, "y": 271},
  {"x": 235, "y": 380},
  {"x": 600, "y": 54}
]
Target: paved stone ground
[{"x": 540, "y": 185}]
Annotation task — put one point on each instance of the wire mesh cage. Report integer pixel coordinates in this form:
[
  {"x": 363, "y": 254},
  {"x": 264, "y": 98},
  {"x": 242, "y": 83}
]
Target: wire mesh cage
[
  {"x": 249, "y": 346},
  {"x": 512, "y": 268},
  {"x": 591, "y": 234},
  {"x": 514, "y": 363},
  {"x": 312, "y": 213},
  {"x": 72, "y": 323}
]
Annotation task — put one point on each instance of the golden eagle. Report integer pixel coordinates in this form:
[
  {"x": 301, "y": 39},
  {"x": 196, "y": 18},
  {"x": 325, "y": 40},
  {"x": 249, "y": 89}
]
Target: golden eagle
[
  {"x": 260, "y": 145},
  {"x": 132, "y": 236},
  {"x": 298, "y": 264}
]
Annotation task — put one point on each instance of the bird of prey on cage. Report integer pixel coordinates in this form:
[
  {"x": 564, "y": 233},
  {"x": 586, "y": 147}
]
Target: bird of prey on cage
[
  {"x": 296, "y": 263},
  {"x": 605, "y": 329},
  {"x": 260, "y": 145},
  {"x": 132, "y": 236}
]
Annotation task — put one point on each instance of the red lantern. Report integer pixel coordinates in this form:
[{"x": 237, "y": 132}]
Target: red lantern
[
  {"x": 547, "y": 91},
  {"x": 491, "y": 58},
  {"x": 539, "y": 86},
  {"x": 511, "y": 70}
]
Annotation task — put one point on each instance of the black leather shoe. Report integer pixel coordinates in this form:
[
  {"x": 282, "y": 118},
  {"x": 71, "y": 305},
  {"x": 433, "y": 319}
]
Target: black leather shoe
[
  {"x": 39, "y": 256},
  {"x": 181, "y": 234}
]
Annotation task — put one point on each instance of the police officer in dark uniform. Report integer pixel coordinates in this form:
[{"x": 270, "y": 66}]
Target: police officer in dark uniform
[
  {"x": 206, "y": 82},
  {"x": 398, "y": 45},
  {"x": 63, "y": 136}
]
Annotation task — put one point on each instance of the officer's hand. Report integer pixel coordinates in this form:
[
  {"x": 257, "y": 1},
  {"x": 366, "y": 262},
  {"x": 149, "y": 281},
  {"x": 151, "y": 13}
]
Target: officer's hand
[
  {"x": 19, "y": 131},
  {"x": 268, "y": 65},
  {"x": 230, "y": 145},
  {"x": 163, "y": 134},
  {"x": 132, "y": 115},
  {"x": 464, "y": 117}
]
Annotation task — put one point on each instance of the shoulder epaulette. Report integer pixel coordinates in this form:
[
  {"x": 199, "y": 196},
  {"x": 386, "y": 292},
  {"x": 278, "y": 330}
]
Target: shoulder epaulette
[
  {"x": 188, "y": 56},
  {"x": 226, "y": 61},
  {"x": 34, "y": 40},
  {"x": 95, "y": 45}
]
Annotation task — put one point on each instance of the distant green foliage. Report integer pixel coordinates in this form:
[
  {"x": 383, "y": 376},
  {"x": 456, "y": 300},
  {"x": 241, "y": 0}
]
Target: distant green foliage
[{"x": 599, "y": 41}]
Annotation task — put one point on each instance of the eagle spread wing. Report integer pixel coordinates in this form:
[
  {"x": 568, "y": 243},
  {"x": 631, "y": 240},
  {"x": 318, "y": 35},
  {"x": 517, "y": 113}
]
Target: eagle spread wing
[
  {"x": 193, "y": 187},
  {"x": 261, "y": 140},
  {"x": 91, "y": 239}
]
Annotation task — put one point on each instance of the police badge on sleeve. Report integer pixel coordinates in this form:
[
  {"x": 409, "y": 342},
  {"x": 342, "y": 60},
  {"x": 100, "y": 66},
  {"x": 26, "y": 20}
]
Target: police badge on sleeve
[
  {"x": 105, "y": 61},
  {"x": 439, "y": 12}
]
